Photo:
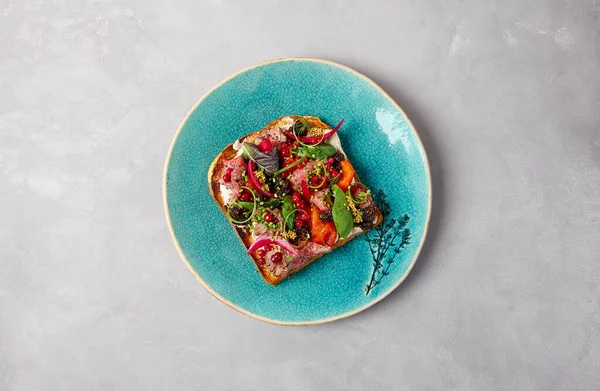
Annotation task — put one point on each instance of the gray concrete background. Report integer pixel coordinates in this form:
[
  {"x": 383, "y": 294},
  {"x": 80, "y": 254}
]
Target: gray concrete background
[{"x": 506, "y": 294}]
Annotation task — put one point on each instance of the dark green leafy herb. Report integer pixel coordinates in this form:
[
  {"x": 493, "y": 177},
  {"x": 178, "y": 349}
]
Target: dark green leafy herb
[
  {"x": 289, "y": 212},
  {"x": 342, "y": 217},
  {"x": 321, "y": 151},
  {"x": 300, "y": 127},
  {"x": 267, "y": 161}
]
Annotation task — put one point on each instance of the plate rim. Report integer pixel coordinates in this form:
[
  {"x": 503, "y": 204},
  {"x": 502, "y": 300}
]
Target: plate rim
[{"x": 229, "y": 303}]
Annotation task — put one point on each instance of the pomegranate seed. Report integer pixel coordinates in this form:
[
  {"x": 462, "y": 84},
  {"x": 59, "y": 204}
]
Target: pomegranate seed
[
  {"x": 269, "y": 218},
  {"x": 265, "y": 145},
  {"x": 296, "y": 197},
  {"x": 277, "y": 257},
  {"x": 299, "y": 204},
  {"x": 334, "y": 173},
  {"x": 299, "y": 223},
  {"x": 261, "y": 252},
  {"x": 304, "y": 216},
  {"x": 268, "y": 247},
  {"x": 245, "y": 196},
  {"x": 261, "y": 261},
  {"x": 315, "y": 180}
]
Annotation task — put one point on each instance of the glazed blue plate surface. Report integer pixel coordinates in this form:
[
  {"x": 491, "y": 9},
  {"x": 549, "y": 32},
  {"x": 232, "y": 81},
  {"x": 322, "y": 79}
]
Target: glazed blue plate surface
[{"x": 380, "y": 142}]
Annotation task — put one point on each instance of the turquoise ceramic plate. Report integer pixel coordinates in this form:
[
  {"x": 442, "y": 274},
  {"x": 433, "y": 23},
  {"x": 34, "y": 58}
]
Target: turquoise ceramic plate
[{"x": 382, "y": 145}]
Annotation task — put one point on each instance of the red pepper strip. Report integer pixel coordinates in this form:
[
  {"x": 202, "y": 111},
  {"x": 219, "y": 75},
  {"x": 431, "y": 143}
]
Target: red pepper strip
[
  {"x": 317, "y": 139},
  {"x": 305, "y": 190},
  {"x": 291, "y": 135},
  {"x": 322, "y": 233},
  {"x": 255, "y": 182},
  {"x": 265, "y": 240},
  {"x": 346, "y": 175}
]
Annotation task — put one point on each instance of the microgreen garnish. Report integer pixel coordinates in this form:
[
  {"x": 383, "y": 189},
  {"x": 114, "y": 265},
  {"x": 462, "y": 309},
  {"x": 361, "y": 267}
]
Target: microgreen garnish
[{"x": 243, "y": 204}]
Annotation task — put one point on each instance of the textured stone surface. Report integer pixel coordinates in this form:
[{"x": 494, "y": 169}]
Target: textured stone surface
[{"x": 506, "y": 295}]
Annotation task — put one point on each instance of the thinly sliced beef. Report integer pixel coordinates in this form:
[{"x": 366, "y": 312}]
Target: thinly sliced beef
[
  {"x": 258, "y": 230},
  {"x": 306, "y": 253},
  {"x": 234, "y": 184},
  {"x": 275, "y": 135},
  {"x": 368, "y": 202},
  {"x": 319, "y": 199},
  {"x": 278, "y": 269},
  {"x": 299, "y": 174}
]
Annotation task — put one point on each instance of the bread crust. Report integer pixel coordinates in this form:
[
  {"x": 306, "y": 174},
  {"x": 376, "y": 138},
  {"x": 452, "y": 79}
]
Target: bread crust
[{"x": 214, "y": 174}]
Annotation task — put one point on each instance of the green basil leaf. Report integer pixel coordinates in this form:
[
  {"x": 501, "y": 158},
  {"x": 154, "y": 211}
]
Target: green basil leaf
[
  {"x": 342, "y": 217},
  {"x": 289, "y": 213},
  {"x": 247, "y": 150},
  {"x": 246, "y": 204},
  {"x": 271, "y": 203},
  {"x": 265, "y": 204},
  {"x": 267, "y": 161},
  {"x": 321, "y": 151}
]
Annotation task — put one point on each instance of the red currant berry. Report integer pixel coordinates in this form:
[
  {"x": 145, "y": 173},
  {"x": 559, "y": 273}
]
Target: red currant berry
[
  {"x": 277, "y": 257},
  {"x": 265, "y": 146}
]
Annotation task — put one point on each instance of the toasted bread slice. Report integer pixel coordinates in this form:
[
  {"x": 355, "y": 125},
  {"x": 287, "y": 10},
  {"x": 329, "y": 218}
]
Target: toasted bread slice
[{"x": 215, "y": 173}]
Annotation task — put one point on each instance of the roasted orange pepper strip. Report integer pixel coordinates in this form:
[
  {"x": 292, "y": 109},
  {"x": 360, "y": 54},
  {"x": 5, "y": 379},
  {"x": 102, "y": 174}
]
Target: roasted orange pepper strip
[
  {"x": 346, "y": 175},
  {"x": 322, "y": 233}
]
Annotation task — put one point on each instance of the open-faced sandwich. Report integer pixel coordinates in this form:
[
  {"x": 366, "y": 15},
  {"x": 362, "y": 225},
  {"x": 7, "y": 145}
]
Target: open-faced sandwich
[{"x": 291, "y": 194}]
